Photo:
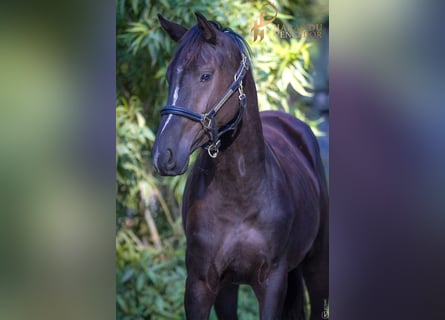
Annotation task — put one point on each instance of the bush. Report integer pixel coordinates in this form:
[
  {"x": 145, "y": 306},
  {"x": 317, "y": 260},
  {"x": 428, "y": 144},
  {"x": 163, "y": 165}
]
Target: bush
[{"x": 150, "y": 283}]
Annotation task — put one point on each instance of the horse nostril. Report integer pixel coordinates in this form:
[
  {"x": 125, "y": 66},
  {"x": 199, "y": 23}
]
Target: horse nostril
[{"x": 170, "y": 163}]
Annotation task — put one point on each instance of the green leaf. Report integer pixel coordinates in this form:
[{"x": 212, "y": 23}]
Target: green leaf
[
  {"x": 122, "y": 303},
  {"x": 122, "y": 150},
  {"x": 140, "y": 282},
  {"x": 166, "y": 4},
  {"x": 127, "y": 275},
  {"x": 147, "y": 133},
  {"x": 134, "y": 5},
  {"x": 140, "y": 119}
]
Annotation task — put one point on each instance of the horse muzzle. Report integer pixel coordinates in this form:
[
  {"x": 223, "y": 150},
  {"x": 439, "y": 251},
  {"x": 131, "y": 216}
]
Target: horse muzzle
[
  {"x": 171, "y": 149},
  {"x": 167, "y": 162}
]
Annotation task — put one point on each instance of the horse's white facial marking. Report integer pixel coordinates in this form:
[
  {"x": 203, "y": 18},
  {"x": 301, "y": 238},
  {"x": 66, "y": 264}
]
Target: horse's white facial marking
[
  {"x": 176, "y": 91},
  {"x": 166, "y": 123},
  {"x": 175, "y": 98},
  {"x": 175, "y": 94},
  {"x": 155, "y": 159}
]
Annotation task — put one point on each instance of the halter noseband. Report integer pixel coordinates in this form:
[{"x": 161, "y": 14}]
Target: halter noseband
[{"x": 207, "y": 119}]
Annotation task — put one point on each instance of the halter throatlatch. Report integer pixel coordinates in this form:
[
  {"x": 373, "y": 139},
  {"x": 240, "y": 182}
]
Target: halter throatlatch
[{"x": 207, "y": 120}]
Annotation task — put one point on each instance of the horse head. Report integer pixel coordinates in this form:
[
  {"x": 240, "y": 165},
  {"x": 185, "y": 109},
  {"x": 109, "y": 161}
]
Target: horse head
[{"x": 207, "y": 68}]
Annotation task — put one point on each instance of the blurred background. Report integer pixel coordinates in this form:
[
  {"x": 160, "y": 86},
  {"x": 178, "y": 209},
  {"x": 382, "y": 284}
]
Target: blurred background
[
  {"x": 56, "y": 160},
  {"x": 291, "y": 74}
]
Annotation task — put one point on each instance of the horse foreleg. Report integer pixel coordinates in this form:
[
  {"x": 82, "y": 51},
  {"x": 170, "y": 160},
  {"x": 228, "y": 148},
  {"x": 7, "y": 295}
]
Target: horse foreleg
[
  {"x": 271, "y": 293},
  {"x": 198, "y": 299},
  {"x": 226, "y": 303}
]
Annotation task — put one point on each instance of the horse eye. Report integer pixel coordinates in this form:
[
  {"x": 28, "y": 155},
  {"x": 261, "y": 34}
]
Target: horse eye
[{"x": 205, "y": 77}]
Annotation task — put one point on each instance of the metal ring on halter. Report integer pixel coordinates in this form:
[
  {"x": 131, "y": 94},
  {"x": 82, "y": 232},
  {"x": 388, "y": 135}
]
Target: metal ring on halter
[{"x": 213, "y": 149}]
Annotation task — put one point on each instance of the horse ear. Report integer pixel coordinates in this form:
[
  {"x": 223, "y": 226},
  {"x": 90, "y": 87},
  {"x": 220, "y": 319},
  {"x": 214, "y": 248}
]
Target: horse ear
[
  {"x": 207, "y": 29},
  {"x": 174, "y": 30}
]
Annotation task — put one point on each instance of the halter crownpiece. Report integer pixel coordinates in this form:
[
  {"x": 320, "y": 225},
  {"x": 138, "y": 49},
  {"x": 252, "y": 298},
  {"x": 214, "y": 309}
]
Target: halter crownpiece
[{"x": 207, "y": 119}]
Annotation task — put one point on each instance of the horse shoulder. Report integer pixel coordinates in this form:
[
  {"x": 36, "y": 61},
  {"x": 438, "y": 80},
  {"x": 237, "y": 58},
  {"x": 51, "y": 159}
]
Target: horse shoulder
[{"x": 195, "y": 188}]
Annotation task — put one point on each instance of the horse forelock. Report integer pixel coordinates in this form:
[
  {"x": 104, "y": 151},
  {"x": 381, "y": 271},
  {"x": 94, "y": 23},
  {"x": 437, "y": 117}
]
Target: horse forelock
[{"x": 193, "y": 48}]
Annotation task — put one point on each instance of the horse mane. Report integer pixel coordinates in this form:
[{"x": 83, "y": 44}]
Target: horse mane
[
  {"x": 192, "y": 43},
  {"x": 240, "y": 42}
]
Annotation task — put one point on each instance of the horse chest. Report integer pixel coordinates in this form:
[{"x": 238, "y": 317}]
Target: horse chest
[
  {"x": 240, "y": 243},
  {"x": 244, "y": 242},
  {"x": 243, "y": 255}
]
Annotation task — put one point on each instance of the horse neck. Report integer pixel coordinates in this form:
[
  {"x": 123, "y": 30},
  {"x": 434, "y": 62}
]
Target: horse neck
[{"x": 243, "y": 160}]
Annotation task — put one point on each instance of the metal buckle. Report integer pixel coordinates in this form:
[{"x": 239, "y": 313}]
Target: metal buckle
[
  {"x": 241, "y": 90},
  {"x": 206, "y": 122}
]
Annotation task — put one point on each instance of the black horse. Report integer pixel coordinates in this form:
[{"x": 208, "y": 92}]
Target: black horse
[{"x": 255, "y": 207}]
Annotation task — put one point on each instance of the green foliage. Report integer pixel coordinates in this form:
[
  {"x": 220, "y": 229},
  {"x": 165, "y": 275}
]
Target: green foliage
[
  {"x": 133, "y": 138},
  {"x": 279, "y": 66},
  {"x": 150, "y": 283},
  {"x": 150, "y": 242}
]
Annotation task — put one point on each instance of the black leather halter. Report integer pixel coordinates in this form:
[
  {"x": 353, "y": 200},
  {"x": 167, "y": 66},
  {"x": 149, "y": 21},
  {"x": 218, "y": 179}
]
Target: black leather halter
[{"x": 207, "y": 120}]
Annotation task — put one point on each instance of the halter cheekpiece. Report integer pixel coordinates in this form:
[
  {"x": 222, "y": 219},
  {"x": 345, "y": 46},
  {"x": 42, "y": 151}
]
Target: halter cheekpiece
[{"x": 207, "y": 120}]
